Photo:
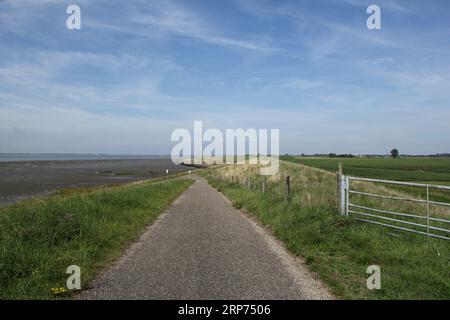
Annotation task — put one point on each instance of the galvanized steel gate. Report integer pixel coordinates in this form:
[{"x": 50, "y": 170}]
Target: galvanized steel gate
[{"x": 426, "y": 223}]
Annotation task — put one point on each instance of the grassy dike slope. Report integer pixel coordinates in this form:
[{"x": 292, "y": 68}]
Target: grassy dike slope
[
  {"x": 39, "y": 239},
  {"x": 339, "y": 249}
]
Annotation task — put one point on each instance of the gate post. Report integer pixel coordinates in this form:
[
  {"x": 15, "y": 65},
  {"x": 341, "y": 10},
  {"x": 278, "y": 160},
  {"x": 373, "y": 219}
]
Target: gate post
[
  {"x": 347, "y": 194},
  {"x": 343, "y": 195},
  {"x": 428, "y": 210}
]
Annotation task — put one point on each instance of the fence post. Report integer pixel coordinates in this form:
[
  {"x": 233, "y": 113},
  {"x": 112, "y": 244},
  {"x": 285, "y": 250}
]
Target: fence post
[
  {"x": 264, "y": 184},
  {"x": 288, "y": 188},
  {"x": 347, "y": 194},
  {"x": 343, "y": 194},
  {"x": 428, "y": 210},
  {"x": 338, "y": 186}
]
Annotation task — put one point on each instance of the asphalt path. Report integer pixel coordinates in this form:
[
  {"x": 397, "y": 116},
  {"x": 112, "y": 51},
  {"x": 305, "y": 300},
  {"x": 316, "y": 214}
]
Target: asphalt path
[{"x": 203, "y": 248}]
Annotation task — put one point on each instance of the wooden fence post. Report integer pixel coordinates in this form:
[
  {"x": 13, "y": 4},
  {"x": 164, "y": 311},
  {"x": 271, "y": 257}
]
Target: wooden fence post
[
  {"x": 338, "y": 187},
  {"x": 288, "y": 188}
]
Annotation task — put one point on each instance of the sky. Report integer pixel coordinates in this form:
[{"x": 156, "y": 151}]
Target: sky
[{"x": 139, "y": 69}]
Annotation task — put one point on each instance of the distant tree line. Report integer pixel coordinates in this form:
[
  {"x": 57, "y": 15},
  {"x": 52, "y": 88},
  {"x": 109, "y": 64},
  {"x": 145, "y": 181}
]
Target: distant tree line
[{"x": 334, "y": 155}]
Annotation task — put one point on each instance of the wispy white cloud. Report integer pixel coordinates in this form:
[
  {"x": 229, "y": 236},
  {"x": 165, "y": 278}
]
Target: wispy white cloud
[
  {"x": 45, "y": 78},
  {"x": 180, "y": 21},
  {"x": 326, "y": 35},
  {"x": 165, "y": 19}
]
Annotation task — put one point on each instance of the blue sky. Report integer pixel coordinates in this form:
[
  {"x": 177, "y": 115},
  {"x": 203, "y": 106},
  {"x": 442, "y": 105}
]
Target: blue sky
[{"x": 139, "y": 69}]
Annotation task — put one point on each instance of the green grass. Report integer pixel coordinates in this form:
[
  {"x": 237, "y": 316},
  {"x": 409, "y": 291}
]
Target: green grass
[
  {"x": 435, "y": 170},
  {"x": 39, "y": 239},
  {"x": 421, "y": 170},
  {"x": 339, "y": 249}
]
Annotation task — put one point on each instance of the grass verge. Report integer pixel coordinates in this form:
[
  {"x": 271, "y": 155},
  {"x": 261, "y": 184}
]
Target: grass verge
[
  {"x": 339, "y": 249},
  {"x": 40, "y": 238}
]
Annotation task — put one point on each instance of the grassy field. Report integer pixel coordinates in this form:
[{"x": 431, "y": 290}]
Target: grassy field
[
  {"x": 39, "y": 239},
  {"x": 421, "y": 170},
  {"x": 339, "y": 249},
  {"x": 427, "y": 170}
]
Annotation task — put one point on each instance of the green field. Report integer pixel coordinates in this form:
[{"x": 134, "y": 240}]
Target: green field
[
  {"x": 40, "y": 238},
  {"x": 426, "y": 170}
]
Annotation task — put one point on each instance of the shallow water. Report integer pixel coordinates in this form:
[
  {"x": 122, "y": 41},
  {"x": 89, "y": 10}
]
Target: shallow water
[{"x": 24, "y": 179}]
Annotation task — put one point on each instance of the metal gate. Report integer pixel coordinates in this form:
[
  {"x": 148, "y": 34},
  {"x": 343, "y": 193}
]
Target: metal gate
[{"x": 432, "y": 223}]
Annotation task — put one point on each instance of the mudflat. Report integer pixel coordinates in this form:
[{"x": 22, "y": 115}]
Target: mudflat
[{"x": 24, "y": 179}]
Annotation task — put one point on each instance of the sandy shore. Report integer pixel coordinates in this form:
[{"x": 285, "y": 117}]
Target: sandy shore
[{"x": 23, "y": 179}]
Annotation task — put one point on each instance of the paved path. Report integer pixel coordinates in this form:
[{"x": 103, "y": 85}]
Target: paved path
[{"x": 203, "y": 248}]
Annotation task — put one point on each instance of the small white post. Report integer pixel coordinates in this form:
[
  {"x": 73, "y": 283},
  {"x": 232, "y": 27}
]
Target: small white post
[
  {"x": 343, "y": 195},
  {"x": 428, "y": 210},
  {"x": 347, "y": 194}
]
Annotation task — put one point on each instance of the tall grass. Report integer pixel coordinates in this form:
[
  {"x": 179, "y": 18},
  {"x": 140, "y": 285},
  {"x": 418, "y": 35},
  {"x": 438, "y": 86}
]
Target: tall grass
[
  {"x": 339, "y": 249},
  {"x": 39, "y": 239}
]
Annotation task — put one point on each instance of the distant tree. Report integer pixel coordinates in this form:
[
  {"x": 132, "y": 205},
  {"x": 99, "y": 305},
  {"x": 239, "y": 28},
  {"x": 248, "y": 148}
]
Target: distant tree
[
  {"x": 332, "y": 155},
  {"x": 394, "y": 153}
]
